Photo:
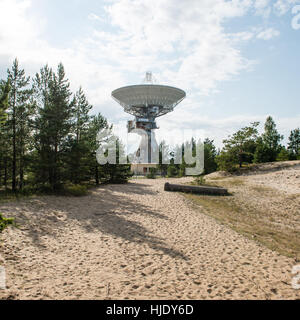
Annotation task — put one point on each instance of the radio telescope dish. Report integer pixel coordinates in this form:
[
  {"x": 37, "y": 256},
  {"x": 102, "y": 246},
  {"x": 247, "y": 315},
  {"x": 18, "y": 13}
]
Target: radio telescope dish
[
  {"x": 147, "y": 102},
  {"x": 139, "y": 99}
]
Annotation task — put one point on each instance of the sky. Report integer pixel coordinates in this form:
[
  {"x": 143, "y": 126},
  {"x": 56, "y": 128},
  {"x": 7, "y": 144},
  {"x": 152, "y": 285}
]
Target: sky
[{"x": 238, "y": 60}]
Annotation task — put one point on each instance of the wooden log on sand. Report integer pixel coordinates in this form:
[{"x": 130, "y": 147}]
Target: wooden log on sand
[{"x": 206, "y": 190}]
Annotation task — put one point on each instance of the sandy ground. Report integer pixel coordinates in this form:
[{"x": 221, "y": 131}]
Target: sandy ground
[
  {"x": 133, "y": 241},
  {"x": 286, "y": 180}
]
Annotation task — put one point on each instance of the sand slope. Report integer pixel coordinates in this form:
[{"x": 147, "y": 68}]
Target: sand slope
[{"x": 133, "y": 242}]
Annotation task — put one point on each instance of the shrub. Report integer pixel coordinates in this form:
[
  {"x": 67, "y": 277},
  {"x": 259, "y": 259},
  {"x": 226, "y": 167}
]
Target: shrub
[
  {"x": 283, "y": 155},
  {"x": 200, "y": 181},
  {"x": 75, "y": 190},
  {"x": 172, "y": 171},
  {"x": 5, "y": 222},
  {"x": 152, "y": 173},
  {"x": 227, "y": 162}
]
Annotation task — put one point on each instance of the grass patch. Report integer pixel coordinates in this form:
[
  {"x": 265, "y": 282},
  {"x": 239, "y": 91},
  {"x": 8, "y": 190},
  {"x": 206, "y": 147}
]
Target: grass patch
[
  {"x": 234, "y": 182},
  {"x": 262, "y": 189},
  {"x": 201, "y": 181},
  {"x": 249, "y": 221},
  {"x": 75, "y": 190},
  {"x": 5, "y": 222},
  {"x": 7, "y": 195}
]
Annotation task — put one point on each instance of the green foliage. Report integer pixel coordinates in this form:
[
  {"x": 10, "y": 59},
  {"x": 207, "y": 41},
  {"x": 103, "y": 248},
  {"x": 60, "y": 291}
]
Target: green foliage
[
  {"x": 18, "y": 130},
  {"x": 117, "y": 173},
  {"x": 210, "y": 154},
  {"x": 246, "y": 146},
  {"x": 48, "y": 139},
  {"x": 268, "y": 145},
  {"x": 75, "y": 190},
  {"x": 239, "y": 148},
  {"x": 271, "y": 138},
  {"x": 164, "y": 158},
  {"x": 200, "y": 181},
  {"x": 4, "y": 94},
  {"x": 53, "y": 124},
  {"x": 172, "y": 171},
  {"x": 264, "y": 153},
  {"x": 227, "y": 161},
  {"x": 294, "y": 144},
  {"x": 283, "y": 155},
  {"x": 152, "y": 174},
  {"x": 5, "y": 222}
]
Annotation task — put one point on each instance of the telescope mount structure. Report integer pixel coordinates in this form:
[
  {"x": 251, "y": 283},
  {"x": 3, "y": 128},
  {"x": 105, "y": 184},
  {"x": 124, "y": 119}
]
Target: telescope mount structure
[{"x": 147, "y": 102}]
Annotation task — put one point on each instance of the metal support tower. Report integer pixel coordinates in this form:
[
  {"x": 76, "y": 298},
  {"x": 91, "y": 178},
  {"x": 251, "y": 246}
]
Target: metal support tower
[{"x": 147, "y": 102}]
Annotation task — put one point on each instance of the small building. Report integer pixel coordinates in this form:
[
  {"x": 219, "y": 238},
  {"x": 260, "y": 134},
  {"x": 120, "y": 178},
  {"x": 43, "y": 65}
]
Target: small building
[{"x": 140, "y": 169}]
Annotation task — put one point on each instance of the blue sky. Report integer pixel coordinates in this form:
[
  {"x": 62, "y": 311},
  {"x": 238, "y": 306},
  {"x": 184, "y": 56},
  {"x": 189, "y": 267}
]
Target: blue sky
[{"x": 237, "y": 60}]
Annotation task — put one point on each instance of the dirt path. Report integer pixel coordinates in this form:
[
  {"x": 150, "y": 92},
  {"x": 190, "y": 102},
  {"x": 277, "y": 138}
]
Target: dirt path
[{"x": 133, "y": 242}]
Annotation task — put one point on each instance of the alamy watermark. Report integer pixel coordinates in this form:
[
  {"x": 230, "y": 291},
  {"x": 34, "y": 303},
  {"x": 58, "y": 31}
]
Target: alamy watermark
[
  {"x": 2, "y": 278},
  {"x": 296, "y": 18},
  {"x": 296, "y": 278},
  {"x": 110, "y": 151}
]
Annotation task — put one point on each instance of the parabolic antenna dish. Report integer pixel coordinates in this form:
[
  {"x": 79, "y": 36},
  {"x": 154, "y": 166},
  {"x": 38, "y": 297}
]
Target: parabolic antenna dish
[{"x": 136, "y": 99}]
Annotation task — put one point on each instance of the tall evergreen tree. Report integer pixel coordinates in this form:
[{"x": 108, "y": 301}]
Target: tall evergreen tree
[
  {"x": 4, "y": 145},
  {"x": 82, "y": 109},
  {"x": 271, "y": 136},
  {"x": 4, "y": 94},
  {"x": 294, "y": 144},
  {"x": 53, "y": 124},
  {"x": 17, "y": 118},
  {"x": 97, "y": 122},
  {"x": 238, "y": 148},
  {"x": 117, "y": 173},
  {"x": 210, "y": 153},
  {"x": 78, "y": 156},
  {"x": 268, "y": 145}
]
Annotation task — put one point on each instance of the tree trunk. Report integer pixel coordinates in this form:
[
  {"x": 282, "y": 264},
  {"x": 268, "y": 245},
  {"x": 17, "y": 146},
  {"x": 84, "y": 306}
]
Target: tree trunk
[
  {"x": 14, "y": 162},
  {"x": 206, "y": 190},
  {"x": 5, "y": 173},
  {"x": 97, "y": 175}
]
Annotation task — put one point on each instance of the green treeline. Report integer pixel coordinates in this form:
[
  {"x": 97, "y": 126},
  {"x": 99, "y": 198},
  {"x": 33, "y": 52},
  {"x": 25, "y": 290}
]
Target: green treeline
[
  {"x": 48, "y": 136},
  {"x": 246, "y": 146},
  {"x": 48, "y": 139},
  {"x": 242, "y": 148}
]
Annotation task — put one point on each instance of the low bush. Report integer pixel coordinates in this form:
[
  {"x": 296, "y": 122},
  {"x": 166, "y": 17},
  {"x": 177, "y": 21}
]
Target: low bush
[
  {"x": 75, "y": 190},
  {"x": 5, "y": 222},
  {"x": 152, "y": 173},
  {"x": 200, "y": 181}
]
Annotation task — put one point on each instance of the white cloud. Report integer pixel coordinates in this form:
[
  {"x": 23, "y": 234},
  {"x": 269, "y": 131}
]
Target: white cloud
[
  {"x": 183, "y": 42},
  {"x": 283, "y": 6},
  {"x": 93, "y": 16},
  {"x": 242, "y": 36},
  {"x": 268, "y": 34},
  {"x": 263, "y": 7}
]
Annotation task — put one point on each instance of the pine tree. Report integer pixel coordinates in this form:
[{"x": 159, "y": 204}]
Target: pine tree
[
  {"x": 4, "y": 94},
  {"x": 77, "y": 157},
  {"x": 17, "y": 119},
  {"x": 294, "y": 144},
  {"x": 268, "y": 145},
  {"x": 82, "y": 109},
  {"x": 283, "y": 155},
  {"x": 271, "y": 137},
  {"x": 4, "y": 146},
  {"x": 117, "y": 173},
  {"x": 53, "y": 124},
  {"x": 164, "y": 158},
  {"x": 210, "y": 153},
  {"x": 96, "y": 123},
  {"x": 239, "y": 148}
]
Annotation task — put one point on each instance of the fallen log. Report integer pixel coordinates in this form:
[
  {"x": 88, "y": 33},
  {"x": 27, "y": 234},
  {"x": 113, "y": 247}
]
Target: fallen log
[{"x": 206, "y": 190}]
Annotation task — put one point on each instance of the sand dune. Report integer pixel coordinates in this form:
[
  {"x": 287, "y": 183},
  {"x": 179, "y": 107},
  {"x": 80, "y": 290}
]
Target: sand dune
[{"x": 133, "y": 241}]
